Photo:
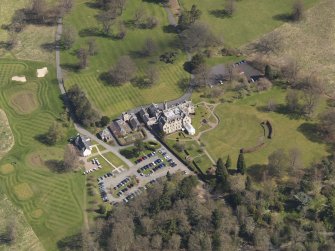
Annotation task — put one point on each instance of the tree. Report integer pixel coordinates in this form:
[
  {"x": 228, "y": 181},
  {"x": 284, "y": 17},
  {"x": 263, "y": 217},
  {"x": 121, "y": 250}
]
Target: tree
[
  {"x": 82, "y": 56},
  {"x": 248, "y": 183},
  {"x": 152, "y": 75},
  {"x": 278, "y": 163},
  {"x": 241, "y": 166},
  {"x": 139, "y": 16},
  {"x": 271, "y": 43},
  {"x": 139, "y": 145},
  {"x": 188, "y": 17},
  {"x": 104, "y": 121},
  {"x": 124, "y": 70},
  {"x": 71, "y": 159},
  {"x": 268, "y": 72},
  {"x": 228, "y": 162},
  {"x": 290, "y": 70},
  {"x": 54, "y": 134},
  {"x": 263, "y": 84},
  {"x": 229, "y": 7},
  {"x": 66, "y": 5},
  {"x": 197, "y": 60},
  {"x": 107, "y": 18},
  {"x": 68, "y": 38},
  {"x": 150, "y": 47},
  {"x": 327, "y": 124},
  {"x": 38, "y": 9},
  {"x": 92, "y": 47},
  {"x": 85, "y": 113},
  {"x": 293, "y": 101},
  {"x": 201, "y": 76},
  {"x": 198, "y": 36},
  {"x": 221, "y": 175},
  {"x": 297, "y": 10},
  {"x": 168, "y": 176}
]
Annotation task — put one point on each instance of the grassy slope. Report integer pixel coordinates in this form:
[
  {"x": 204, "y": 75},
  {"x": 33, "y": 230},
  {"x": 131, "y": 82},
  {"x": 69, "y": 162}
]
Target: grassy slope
[
  {"x": 113, "y": 100},
  {"x": 59, "y": 196},
  {"x": 239, "y": 127},
  {"x": 251, "y": 19}
]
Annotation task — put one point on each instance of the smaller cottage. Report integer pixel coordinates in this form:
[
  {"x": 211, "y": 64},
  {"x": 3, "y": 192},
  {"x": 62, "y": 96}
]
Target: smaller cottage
[
  {"x": 105, "y": 135},
  {"x": 119, "y": 128},
  {"x": 84, "y": 145}
]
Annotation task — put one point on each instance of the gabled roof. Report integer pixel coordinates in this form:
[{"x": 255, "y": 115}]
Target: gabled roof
[{"x": 82, "y": 142}]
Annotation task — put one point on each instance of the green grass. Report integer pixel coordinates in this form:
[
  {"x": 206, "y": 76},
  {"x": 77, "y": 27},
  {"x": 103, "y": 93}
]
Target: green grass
[
  {"x": 114, "y": 100},
  {"x": 240, "y": 127},
  {"x": 59, "y": 196},
  {"x": 251, "y": 19}
]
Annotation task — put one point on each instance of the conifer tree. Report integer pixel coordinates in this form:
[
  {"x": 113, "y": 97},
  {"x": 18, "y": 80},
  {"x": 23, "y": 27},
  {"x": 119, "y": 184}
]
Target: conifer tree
[
  {"x": 241, "y": 167},
  {"x": 228, "y": 162}
]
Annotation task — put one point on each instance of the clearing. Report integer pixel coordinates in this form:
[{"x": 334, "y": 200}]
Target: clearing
[
  {"x": 250, "y": 20},
  {"x": 240, "y": 128},
  {"x": 311, "y": 42}
]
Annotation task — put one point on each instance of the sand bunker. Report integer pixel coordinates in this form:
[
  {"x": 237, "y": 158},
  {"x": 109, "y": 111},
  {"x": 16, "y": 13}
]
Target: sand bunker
[
  {"x": 19, "y": 79},
  {"x": 42, "y": 72}
]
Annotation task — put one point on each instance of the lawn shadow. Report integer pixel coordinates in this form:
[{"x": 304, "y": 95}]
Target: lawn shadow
[
  {"x": 170, "y": 29},
  {"x": 219, "y": 13},
  {"x": 311, "y": 132},
  {"x": 56, "y": 166},
  {"x": 283, "y": 17},
  {"x": 257, "y": 172},
  {"x": 91, "y": 32},
  {"x": 141, "y": 83},
  {"x": 93, "y": 5},
  {"x": 74, "y": 242},
  {"x": 49, "y": 47},
  {"x": 283, "y": 109},
  {"x": 71, "y": 67}
]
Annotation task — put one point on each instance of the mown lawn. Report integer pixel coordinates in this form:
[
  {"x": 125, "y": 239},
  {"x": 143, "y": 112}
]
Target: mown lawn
[
  {"x": 251, "y": 19},
  {"x": 113, "y": 100},
  {"x": 54, "y": 205},
  {"x": 240, "y": 127}
]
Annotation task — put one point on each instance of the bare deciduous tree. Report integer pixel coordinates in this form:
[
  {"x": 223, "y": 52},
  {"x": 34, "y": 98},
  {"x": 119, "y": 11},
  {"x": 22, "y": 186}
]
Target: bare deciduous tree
[
  {"x": 83, "y": 57},
  {"x": 229, "y": 7},
  {"x": 124, "y": 70},
  {"x": 68, "y": 37},
  {"x": 107, "y": 19},
  {"x": 150, "y": 47},
  {"x": 71, "y": 159},
  {"x": 152, "y": 75},
  {"x": 201, "y": 75},
  {"x": 297, "y": 10},
  {"x": 92, "y": 47}
]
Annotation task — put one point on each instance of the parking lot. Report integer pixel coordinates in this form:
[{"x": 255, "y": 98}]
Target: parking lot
[{"x": 124, "y": 186}]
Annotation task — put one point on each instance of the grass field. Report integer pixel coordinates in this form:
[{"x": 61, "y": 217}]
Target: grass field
[
  {"x": 251, "y": 19},
  {"x": 30, "y": 39},
  {"x": 240, "y": 128},
  {"x": 113, "y": 100},
  {"x": 303, "y": 42},
  {"x": 52, "y": 203}
]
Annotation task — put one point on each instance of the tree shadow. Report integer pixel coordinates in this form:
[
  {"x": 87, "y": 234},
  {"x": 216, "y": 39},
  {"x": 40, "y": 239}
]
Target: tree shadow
[
  {"x": 257, "y": 172},
  {"x": 219, "y": 13},
  {"x": 42, "y": 138},
  {"x": 56, "y": 166},
  {"x": 283, "y": 109},
  {"x": 311, "y": 132},
  {"x": 49, "y": 46},
  {"x": 141, "y": 83},
  {"x": 91, "y": 32},
  {"x": 170, "y": 29},
  {"x": 93, "y": 5},
  {"x": 74, "y": 242},
  {"x": 71, "y": 67},
  {"x": 283, "y": 17}
]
